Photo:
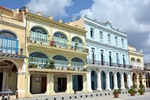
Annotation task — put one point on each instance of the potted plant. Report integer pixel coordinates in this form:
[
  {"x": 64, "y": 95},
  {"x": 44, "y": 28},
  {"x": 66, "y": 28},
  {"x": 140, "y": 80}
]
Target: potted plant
[
  {"x": 132, "y": 91},
  {"x": 116, "y": 93},
  {"x": 31, "y": 65},
  {"x": 141, "y": 90},
  {"x": 51, "y": 65}
]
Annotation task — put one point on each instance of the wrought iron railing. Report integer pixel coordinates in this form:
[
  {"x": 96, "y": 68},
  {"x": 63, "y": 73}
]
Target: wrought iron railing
[
  {"x": 104, "y": 63},
  {"x": 57, "y": 44}
]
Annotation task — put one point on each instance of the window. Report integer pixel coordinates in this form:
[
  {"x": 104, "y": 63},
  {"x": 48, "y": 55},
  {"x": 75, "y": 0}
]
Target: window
[
  {"x": 117, "y": 59},
  {"x": 92, "y": 32},
  {"x": 101, "y": 35},
  {"x": 116, "y": 41},
  {"x": 93, "y": 55},
  {"x": 122, "y": 41},
  {"x": 109, "y": 38}
]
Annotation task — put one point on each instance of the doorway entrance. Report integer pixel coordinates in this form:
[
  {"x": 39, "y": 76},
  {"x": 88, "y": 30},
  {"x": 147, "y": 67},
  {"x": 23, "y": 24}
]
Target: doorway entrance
[
  {"x": 62, "y": 84},
  {"x": 1, "y": 80}
]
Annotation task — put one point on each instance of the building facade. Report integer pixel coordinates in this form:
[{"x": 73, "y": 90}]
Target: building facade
[
  {"x": 137, "y": 65},
  {"x": 107, "y": 61},
  {"x": 147, "y": 74},
  {"x": 12, "y": 50},
  {"x": 56, "y": 56}
]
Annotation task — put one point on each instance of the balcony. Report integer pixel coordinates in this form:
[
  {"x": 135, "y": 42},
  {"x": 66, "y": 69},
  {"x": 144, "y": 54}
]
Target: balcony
[
  {"x": 104, "y": 63},
  {"x": 77, "y": 65},
  {"x": 136, "y": 65},
  {"x": 56, "y": 44},
  {"x": 11, "y": 52}
]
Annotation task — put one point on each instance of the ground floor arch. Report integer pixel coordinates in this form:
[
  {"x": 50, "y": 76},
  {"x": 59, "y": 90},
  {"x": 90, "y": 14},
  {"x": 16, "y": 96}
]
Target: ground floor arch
[
  {"x": 111, "y": 79},
  {"x": 93, "y": 80},
  {"x": 103, "y": 80}
]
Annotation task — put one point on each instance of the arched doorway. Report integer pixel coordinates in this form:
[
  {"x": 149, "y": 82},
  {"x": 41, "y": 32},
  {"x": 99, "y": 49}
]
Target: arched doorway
[
  {"x": 134, "y": 80},
  {"x": 119, "y": 80},
  {"x": 140, "y": 78},
  {"x": 125, "y": 80},
  {"x": 77, "y": 43},
  {"x": 93, "y": 80},
  {"x": 38, "y": 81},
  {"x": 103, "y": 80},
  {"x": 8, "y": 78},
  {"x": 111, "y": 77}
]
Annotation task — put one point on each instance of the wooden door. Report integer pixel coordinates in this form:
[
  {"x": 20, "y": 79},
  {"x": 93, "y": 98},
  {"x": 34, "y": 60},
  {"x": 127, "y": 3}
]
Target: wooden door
[{"x": 43, "y": 85}]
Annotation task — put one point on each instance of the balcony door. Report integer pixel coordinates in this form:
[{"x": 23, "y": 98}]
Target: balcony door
[{"x": 8, "y": 42}]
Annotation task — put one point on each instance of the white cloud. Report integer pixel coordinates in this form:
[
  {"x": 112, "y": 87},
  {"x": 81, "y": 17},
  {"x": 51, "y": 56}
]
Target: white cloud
[
  {"x": 50, "y": 7},
  {"x": 130, "y": 16}
]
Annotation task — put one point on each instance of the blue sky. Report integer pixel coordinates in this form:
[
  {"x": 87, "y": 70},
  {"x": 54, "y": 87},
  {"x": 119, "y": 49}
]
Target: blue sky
[{"x": 130, "y": 16}]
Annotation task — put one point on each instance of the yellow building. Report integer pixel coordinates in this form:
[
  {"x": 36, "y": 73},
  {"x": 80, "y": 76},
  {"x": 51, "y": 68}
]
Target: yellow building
[
  {"x": 137, "y": 65},
  {"x": 12, "y": 51},
  {"x": 56, "y": 56}
]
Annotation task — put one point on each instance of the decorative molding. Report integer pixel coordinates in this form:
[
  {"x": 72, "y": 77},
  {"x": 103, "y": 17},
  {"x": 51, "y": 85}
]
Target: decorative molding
[{"x": 11, "y": 24}]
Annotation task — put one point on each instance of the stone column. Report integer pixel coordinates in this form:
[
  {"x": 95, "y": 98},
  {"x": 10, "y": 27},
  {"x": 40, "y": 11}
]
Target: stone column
[
  {"x": 89, "y": 80},
  {"x": 137, "y": 81},
  {"x": 28, "y": 94},
  {"x": 107, "y": 82},
  {"x": 69, "y": 84},
  {"x": 115, "y": 81},
  {"x": 85, "y": 83},
  {"x": 4, "y": 81},
  {"x": 122, "y": 82},
  {"x": 99, "y": 82},
  {"x": 50, "y": 84}
]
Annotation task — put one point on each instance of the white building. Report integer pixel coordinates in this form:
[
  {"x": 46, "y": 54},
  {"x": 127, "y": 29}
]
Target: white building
[{"x": 107, "y": 62}]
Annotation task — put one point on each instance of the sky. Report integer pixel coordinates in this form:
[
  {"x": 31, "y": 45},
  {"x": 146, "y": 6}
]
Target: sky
[{"x": 129, "y": 16}]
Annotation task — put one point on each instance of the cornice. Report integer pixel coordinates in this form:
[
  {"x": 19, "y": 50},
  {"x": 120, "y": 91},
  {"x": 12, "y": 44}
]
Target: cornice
[
  {"x": 106, "y": 29},
  {"x": 11, "y": 24},
  {"x": 53, "y": 23},
  {"x": 105, "y": 45},
  {"x": 135, "y": 53}
]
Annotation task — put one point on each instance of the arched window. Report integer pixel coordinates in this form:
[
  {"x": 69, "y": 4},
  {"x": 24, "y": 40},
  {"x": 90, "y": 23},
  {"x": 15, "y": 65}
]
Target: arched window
[
  {"x": 38, "y": 59},
  {"x": 60, "y": 39},
  {"x": 9, "y": 42},
  {"x": 133, "y": 59},
  {"x": 77, "y": 63},
  {"x": 38, "y": 35},
  {"x": 138, "y": 60},
  {"x": 60, "y": 62},
  {"x": 77, "y": 43}
]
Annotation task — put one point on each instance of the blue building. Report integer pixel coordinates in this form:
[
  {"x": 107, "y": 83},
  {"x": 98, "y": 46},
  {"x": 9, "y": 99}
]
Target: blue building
[{"x": 107, "y": 61}]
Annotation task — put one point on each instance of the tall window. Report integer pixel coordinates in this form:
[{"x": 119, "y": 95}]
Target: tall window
[
  {"x": 124, "y": 62},
  {"x": 122, "y": 42},
  {"x": 92, "y": 33},
  {"x": 116, "y": 40},
  {"x": 101, "y": 35},
  {"x": 110, "y": 59},
  {"x": 109, "y": 38},
  {"x": 102, "y": 57},
  {"x": 93, "y": 55},
  {"x": 117, "y": 59}
]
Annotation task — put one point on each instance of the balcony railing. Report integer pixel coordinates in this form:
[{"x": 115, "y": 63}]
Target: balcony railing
[
  {"x": 59, "y": 64},
  {"x": 104, "y": 63},
  {"x": 77, "y": 65},
  {"x": 57, "y": 44},
  {"x": 11, "y": 50}
]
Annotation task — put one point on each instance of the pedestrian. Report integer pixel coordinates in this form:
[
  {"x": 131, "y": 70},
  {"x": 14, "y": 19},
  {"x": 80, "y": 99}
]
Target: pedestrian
[
  {"x": 8, "y": 98},
  {"x": 17, "y": 93}
]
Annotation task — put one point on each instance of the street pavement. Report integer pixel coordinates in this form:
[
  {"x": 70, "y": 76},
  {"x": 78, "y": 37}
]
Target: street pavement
[{"x": 146, "y": 96}]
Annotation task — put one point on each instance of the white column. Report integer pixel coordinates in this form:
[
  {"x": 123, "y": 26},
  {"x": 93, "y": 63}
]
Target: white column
[
  {"x": 122, "y": 82},
  {"x": 69, "y": 84},
  {"x": 4, "y": 81},
  {"x": 89, "y": 80},
  {"x": 115, "y": 81},
  {"x": 99, "y": 81},
  {"x": 107, "y": 82},
  {"x": 129, "y": 81},
  {"x": 28, "y": 83},
  {"x": 50, "y": 84}
]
